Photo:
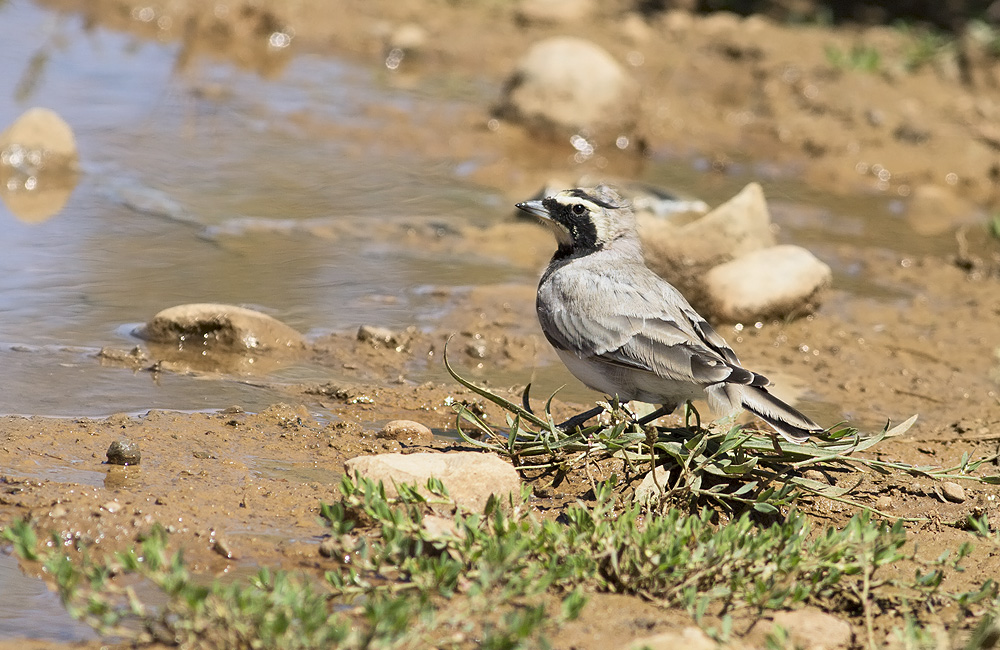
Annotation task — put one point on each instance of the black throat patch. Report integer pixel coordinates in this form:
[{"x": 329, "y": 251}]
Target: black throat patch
[{"x": 581, "y": 227}]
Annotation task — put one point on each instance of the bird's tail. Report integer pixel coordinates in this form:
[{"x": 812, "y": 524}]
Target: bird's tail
[{"x": 792, "y": 425}]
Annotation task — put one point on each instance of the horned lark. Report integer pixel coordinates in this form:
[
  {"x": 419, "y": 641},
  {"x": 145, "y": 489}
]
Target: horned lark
[{"x": 624, "y": 331}]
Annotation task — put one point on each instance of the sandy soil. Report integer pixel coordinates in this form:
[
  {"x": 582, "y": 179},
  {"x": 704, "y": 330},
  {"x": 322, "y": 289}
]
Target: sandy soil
[{"x": 241, "y": 489}]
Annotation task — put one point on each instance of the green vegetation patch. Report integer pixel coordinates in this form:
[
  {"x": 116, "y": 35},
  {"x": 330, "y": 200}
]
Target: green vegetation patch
[{"x": 403, "y": 575}]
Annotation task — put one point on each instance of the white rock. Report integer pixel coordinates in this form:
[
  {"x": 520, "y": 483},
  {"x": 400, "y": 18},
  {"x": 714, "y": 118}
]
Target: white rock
[
  {"x": 377, "y": 336},
  {"x": 38, "y": 165},
  {"x": 470, "y": 477},
  {"x": 768, "y": 283},
  {"x": 566, "y": 85}
]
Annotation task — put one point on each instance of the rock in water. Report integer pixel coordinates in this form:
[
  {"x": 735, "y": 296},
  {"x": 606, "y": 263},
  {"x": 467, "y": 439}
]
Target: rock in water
[
  {"x": 38, "y": 165},
  {"x": 727, "y": 265},
  {"x": 220, "y": 326}
]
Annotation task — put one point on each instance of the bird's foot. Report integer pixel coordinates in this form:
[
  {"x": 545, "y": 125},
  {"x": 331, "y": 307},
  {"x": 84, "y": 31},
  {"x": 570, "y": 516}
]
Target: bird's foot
[{"x": 579, "y": 419}]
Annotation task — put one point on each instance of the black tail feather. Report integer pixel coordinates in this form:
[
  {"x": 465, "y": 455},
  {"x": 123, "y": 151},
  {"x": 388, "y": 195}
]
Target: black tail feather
[{"x": 786, "y": 420}]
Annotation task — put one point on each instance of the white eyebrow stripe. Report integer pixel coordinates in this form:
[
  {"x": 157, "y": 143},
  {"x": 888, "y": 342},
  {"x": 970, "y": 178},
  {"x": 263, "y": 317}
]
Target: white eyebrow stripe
[{"x": 568, "y": 200}]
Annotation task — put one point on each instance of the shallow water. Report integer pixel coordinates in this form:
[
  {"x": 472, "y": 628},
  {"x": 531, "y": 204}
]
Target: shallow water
[
  {"x": 28, "y": 609},
  {"x": 167, "y": 174}
]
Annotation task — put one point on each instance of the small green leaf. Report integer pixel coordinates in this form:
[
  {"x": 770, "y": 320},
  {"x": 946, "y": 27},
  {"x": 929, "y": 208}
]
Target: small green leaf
[{"x": 765, "y": 508}]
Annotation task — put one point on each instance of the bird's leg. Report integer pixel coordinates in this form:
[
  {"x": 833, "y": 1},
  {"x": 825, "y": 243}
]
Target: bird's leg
[
  {"x": 579, "y": 419},
  {"x": 658, "y": 413}
]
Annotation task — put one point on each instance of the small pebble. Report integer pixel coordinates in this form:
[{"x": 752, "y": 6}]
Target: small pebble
[
  {"x": 124, "y": 452},
  {"x": 222, "y": 547},
  {"x": 884, "y": 502},
  {"x": 953, "y": 492},
  {"x": 406, "y": 431}
]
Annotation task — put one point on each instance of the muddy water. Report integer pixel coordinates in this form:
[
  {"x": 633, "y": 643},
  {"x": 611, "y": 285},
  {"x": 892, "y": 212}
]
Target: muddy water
[
  {"x": 175, "y": 173},
  {"x": 29, "y": 609},
  {"x": 207, "y": 183}
]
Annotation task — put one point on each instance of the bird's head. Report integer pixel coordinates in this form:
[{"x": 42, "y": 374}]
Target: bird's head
[{"x": 585, "y": 219}]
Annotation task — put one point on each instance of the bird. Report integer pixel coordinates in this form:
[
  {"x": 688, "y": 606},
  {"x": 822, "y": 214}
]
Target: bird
[{"x": 626, "y": 332}]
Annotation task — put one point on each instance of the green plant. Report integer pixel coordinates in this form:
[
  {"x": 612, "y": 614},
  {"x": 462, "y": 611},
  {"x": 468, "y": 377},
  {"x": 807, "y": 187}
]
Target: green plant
[
  {"x": 676, "y": 560},
  {"x": 733, "y": 467},
  {"x": 864, "y": 58},
  {"x": 503, "y": 577}
]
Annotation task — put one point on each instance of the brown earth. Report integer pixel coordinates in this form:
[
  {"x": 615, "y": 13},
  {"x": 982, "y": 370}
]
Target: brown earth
[{"x": 720, "y": 87}]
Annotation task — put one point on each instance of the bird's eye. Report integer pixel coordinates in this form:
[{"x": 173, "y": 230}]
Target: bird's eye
[{"x": 578, "y": 209}]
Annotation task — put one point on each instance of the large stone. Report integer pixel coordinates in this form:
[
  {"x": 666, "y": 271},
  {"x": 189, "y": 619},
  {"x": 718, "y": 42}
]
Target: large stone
[
  {"x": 768, "y": 283},
  {"x": 470, "y": 477},
  {"x": 219, "y": 326},
  {"x": 566, "y": 85},
  {"x": 682, "y": 252}
]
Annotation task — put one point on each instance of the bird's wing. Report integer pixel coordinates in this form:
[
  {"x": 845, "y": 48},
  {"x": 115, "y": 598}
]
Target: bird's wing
[{"x": 645, "y": 324}]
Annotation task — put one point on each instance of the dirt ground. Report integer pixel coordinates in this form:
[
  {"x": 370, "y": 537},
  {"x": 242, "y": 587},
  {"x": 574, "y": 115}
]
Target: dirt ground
[{"x": 240, "y": 489}]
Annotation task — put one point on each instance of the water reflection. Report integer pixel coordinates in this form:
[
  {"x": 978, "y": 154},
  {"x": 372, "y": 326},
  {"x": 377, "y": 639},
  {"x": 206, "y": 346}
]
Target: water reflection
[{"x": 37, "y": 198}]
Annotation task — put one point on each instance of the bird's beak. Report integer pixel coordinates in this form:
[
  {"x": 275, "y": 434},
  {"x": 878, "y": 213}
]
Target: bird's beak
[{"x": 534, "y": 208}]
